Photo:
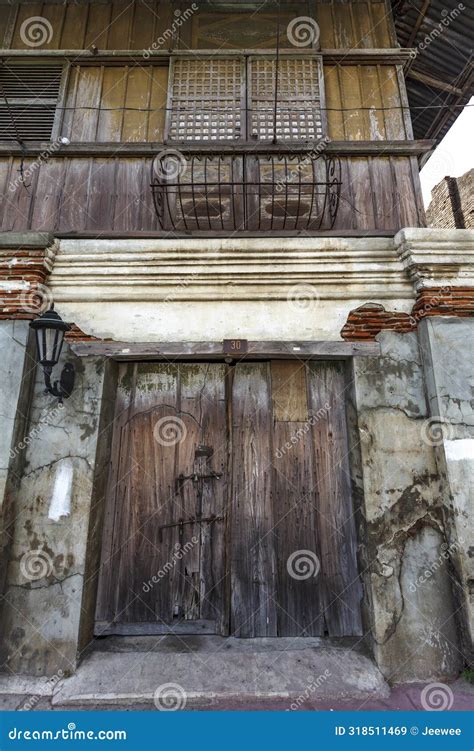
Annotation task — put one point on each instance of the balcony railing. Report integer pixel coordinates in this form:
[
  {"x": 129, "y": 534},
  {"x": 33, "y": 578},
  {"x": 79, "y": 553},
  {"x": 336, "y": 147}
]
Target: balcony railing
[{"x": 246, "y": 191}]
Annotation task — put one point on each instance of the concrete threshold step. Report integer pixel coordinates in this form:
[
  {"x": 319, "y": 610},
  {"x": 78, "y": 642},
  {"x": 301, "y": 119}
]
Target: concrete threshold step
[{"x": 205, "y": 678}]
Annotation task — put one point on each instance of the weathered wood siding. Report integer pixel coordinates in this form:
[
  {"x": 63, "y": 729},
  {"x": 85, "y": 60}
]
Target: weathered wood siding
[
  {"x": 163, "y": 412},
  {"x": 113, "y": 193},
  {"x": 128, "y": 103},
  {"x": 115, "y": 103},
  {"x": 136, "y": 25}
]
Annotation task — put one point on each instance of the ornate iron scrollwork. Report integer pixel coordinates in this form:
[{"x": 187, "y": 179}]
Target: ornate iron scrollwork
[{"x": 246, "y": 191}]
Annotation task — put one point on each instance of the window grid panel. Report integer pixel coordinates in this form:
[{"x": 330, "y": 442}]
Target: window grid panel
[
  {"x": 206, "y": 102},
  {"x": 299, "y": 102}
]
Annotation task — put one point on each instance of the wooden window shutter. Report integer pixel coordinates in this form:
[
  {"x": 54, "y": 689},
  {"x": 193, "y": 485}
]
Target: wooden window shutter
[
  {"x": 206, "y": 99},
  {"x": 299, "y": 111},
  {"x": 28, "y": 95}
]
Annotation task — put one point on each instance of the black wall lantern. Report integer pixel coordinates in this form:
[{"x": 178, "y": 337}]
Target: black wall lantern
[{"x": 50, "y": 329}]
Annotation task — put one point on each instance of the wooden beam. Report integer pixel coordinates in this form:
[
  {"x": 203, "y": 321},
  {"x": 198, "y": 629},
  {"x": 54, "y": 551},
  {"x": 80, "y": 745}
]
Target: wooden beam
[
  {"x": 346, "y": 56},
  {"x": 418, "y": 22},
  {"x": 215, "y": 350},
  {"x": 434, "y": 82},
  {"x": 351, "y": 148}
]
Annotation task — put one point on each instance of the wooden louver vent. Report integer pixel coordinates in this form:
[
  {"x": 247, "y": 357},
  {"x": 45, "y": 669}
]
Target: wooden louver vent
[
  {"x": 28, "y": 96},
  {"x": 222, "y": 99}
]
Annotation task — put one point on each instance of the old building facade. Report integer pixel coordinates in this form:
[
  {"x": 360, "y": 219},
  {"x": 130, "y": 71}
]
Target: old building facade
[{"x": 272, "y": 369}]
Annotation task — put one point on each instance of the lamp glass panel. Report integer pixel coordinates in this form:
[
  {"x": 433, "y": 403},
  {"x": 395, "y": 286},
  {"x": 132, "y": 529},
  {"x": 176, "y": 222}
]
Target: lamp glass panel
[{"x": 50, "y": 345}]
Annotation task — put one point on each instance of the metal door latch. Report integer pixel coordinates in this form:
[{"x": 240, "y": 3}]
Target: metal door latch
[
  {"x": 193, "y": 520},
  {"x": 196, "y": 477}
]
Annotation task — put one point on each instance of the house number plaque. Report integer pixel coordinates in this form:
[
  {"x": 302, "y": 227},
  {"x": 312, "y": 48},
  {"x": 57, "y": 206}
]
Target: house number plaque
[{"x": 235, "y": 346}]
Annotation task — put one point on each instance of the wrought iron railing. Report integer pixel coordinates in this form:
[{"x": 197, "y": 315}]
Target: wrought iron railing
[{"x": 246, "y": 191}]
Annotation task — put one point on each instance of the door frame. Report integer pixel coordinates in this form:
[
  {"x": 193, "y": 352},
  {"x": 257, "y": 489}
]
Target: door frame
[{"x": 117, "y": 352}]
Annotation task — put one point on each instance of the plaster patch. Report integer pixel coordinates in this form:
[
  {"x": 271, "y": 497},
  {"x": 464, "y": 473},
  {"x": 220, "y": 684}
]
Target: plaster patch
[
  {"x": 61, "y": 499},
  {"x": 460, "y": 449}
]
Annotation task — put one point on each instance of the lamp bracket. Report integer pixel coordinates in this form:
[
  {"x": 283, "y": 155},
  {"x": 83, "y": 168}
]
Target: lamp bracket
[{"x": 63, "y": 388}]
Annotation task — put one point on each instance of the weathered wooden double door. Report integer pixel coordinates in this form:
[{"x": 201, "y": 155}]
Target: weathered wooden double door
[{"x": 229, "y": 507}]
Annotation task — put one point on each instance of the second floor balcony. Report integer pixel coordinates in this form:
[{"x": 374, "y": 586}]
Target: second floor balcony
[{"x": 245, "y": 190}]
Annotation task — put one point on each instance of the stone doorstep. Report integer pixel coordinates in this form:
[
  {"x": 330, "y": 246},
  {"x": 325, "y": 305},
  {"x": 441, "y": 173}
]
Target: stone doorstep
[
  {"x": 125, "y": 678},
  {"x": 25, "y": 685}
]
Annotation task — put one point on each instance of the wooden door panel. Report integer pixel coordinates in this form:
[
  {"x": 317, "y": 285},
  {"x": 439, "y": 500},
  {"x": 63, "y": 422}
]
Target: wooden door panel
[
  {"x": 269, "y": 552},
  {"x": 336, "y": 523},
  {"x": 154, "y": 569},
  {"x": 299, "y": 598},
  {"x": 253, "y": 563}
]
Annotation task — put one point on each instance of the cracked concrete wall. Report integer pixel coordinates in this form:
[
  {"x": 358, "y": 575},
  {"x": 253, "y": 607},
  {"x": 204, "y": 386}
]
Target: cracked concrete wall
[
  {"x": 17, "y": 369},
  {"x": 52, "y": 505},
  {"x": 448, "y": 357},
  {"x": 407, "y": 578}
]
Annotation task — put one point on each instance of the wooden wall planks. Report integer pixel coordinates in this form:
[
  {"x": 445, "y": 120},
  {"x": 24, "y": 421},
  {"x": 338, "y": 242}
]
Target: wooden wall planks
[
  {"x": 137, "y": 24},
  {"x": 121, "y": 103},
  {"x": 76, "y": 194},
  {"x": 128, "y": 103}
]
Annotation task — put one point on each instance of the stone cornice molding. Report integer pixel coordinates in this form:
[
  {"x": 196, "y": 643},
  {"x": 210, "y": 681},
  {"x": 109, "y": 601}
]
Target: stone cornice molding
[
  {"x": 88, "y": 270},
  {"x": 437, "y": 257}
]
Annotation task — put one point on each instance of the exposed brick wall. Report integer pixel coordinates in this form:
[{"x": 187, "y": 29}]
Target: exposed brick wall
[
  {"x": 23, "y": 275},
  {"x": 452, "y": 203},
  {"x": 364, "y": 323},
  {"x": 75, "y": 334}
]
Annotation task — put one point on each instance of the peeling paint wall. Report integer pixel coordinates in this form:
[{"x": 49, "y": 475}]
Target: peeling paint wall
[
  {"x": 410, "y": 491},
  {"x": 448, "y": 356},
  {"x": 52, "y": 504},
  {"x": 407, "y": 581}
]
